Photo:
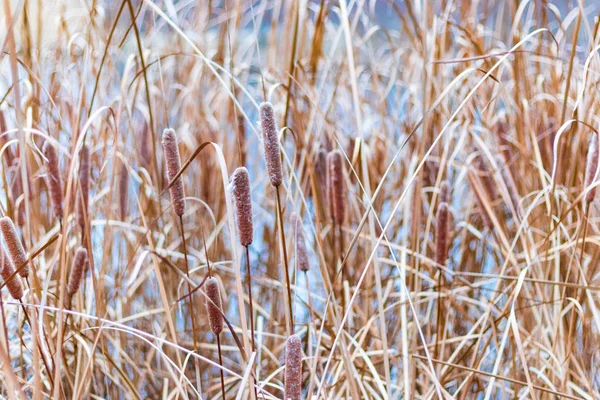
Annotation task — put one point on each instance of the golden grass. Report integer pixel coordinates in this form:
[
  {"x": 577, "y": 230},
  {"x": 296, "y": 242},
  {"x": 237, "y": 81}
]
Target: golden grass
[{"x": 452, "y": 253}]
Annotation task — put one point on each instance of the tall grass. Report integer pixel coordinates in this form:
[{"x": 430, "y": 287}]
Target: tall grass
[{"x": 383, "y": 199}]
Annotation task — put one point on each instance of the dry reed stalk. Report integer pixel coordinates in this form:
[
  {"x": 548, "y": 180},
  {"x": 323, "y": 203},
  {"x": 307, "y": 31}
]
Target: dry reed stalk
[
  {"x": 293, "y": 368},
  {"x": 85, "y": 165},
  {"x": 173, "y": 161},
  {"x": 441, "y": 254},
  {"x": 591, "y": 168},
  {"x": 53, "y": 180},
  {"x": 15, "y": 246}
]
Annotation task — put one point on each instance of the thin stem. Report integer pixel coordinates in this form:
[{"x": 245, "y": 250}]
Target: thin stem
[
  {"x": 285, "y": 261},
  {"x": 190, "y": 303},
  {"x": 4, "y": 324},
  {"x": 221, "y": 369},
  {"x": 249, "y": 279}
]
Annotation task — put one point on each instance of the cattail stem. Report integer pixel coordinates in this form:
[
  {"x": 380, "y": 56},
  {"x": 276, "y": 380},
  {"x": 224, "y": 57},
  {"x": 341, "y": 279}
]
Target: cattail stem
[
  {"x": 190, "y": 303},
  {"x": 249, "y": 279},
  {"x": 285, "y": 262},
  {"x": 4, "y": 324},
  {"x": 221, "y": 365}
]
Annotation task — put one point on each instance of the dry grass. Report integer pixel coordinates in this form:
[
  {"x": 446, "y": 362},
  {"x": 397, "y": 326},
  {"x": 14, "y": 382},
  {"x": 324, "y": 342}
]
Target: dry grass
[{"x": 499, "y": 101}]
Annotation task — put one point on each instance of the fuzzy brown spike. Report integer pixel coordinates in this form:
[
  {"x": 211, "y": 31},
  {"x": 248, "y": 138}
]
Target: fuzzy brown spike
[
  {"x": 300, "y": 244},
  {"x": 445, "y": 192},
  {"x": 213, "y": 305},
  {"x": 337, "y": 189},
  {"x": 293, "y": 368},
  {"x": 14, "y": 245},
  {"x": 271, "y": 143},
  {"x": 53, "y": 179},
  {"x": 77, "y": 271},
  {"x": 84, "y": 185},
  {"x": 591, "y": 168},
  {"x": 173, "y": 160},
  {"x": 11, "y": 280},
  {"x": 123, "y": 191},
  {"x": 243, "y": 205},
  {"x": 442, "y": 231}
]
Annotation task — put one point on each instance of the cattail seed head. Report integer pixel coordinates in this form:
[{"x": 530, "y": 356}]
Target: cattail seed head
[
  {"x": 441, "y": 237},
  {"x": 445, "y": 192},
  {"x": 14, "y": 245},
  {"x": 77, "y": 271},
  {"x": 300, "y": 244},
  {"x": 337, "y": 189},
  {"x": 84, "y": 185},
  {"x": 591, "y": 168},
  {"x": 271, "y": 143},
  {"x": 123, "y": 191},
  {"x": 293, "y": 368},
  {"x": 213, "y": 305},
  {"x": 173, "y": 160},
  {"x": 11, "y": 280},
  {"x": 243, "y": 205},
  {"x": 53, "y": 179}
]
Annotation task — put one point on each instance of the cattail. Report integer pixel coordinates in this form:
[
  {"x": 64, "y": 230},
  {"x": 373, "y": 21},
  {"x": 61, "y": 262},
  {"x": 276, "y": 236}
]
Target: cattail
[
  {"x": 445, "y": 193},
  {"x": 488, "y": 182},
  {"x": 123, "y": 191},
  {"x": 300, "y": 242},
  {"x": 53, "y": 180},
  {"x": 15, "y": 247},
  {"x": 213, "y": 305},
  {"x": 243, "y": 205},
  {"x": 77, "y": 270},
  {"x": 169, "y": 141},
  {"x": 271, "y": 143},
  {"x": 591, "y": 168},
  {"x": 84, "y": 186},
  {"x": 11, "y": 280},
  {"x": 441, "y": 237},
  {"x": 337, "y": 190},
  {"x": 145, "y": 147},
  {"x": 293, "y": 368}
]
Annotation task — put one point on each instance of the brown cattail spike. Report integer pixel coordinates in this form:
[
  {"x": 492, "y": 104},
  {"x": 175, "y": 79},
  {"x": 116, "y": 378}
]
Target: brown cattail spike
[
  {"x": 84, "y": 186},
  {"x": 293, "y": 368},
  {"x": 123, "y": 191},
  {"x": 14, "y": 245},
  {"x": 240, "y": 181},
  {"x": 591, "y": 168},
  {"x": 11, "y": 280},
  {"x": 441, "y": 238},
  {"x": 445, "y": 193},
  {"x": 271, "y": 143},
  {"x": 53, "y": 180},
  {"x": 213, "y": 305},
  {"x": 173, "y": 160},
  {"x": 337, "y": 190},
  {"x": 77, "y": 270},
  {"x": 300, "y": 244}
]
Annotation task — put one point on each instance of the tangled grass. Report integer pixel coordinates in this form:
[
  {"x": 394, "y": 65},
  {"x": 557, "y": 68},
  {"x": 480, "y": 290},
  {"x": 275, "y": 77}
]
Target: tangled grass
[{"x": 426, "y": 228}]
